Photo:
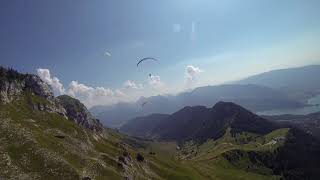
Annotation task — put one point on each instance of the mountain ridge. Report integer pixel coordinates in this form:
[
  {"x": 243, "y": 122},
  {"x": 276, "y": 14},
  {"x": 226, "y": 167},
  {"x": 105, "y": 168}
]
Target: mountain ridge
[
  {"x": 291, "y": 81},
  {"x": 200, "y": 122},
  {"x": 250, "y": 96}
]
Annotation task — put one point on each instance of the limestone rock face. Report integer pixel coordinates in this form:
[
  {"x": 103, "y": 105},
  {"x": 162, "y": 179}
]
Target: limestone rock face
[
  {"x": 16, "y": 86},
  {"x": 38, "y": 87},
  {"x": 10, "y": 90},
  {"x": 79, "y": 113},
  {"x": 39, "y": 96}
]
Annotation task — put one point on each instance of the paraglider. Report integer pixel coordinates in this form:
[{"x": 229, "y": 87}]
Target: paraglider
[
  {"x": 144, "y": 103},
  {"x": 144, "y": 59},
  {"x": 107, "y": 54}
]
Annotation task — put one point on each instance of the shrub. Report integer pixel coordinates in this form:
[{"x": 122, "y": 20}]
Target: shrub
[{"x": 140, "y": 158}]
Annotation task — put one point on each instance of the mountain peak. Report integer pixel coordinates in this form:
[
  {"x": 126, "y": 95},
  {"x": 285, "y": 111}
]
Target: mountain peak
[
  {"x": 222, "y": 105},
  {"x": 201, "y": 123}
]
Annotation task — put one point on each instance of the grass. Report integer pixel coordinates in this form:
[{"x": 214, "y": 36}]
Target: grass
[{"x": 29, "y": 137}]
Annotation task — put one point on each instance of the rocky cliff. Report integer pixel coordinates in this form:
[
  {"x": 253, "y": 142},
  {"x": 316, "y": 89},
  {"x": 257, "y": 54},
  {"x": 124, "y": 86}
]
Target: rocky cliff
[
  {"x": 15, "y": 86},
  {"x": 79, "y": 113},
  {"x": 38, "y": 94}
]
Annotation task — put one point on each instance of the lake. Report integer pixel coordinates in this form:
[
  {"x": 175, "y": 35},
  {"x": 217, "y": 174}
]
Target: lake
[{"x": 297, "y": 111}]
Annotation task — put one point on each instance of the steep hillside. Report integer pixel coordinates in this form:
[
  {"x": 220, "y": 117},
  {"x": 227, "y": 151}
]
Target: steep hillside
[
  {"x": 78, "y": 112},
  {"x": 310, "y": 123},
  {"x": 281, "y": 154},
  {"x": 252, "y": 97},
  {"x": 43, "y": 137}
]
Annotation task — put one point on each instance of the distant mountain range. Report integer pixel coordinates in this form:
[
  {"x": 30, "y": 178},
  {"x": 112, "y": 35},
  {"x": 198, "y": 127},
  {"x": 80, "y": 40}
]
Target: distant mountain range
[
  {"x": 198, "y": 123},
  {"x": 274, "y": 90},
  {"x": 253, "y": 97},
  {"x": 299, "y": 83}
]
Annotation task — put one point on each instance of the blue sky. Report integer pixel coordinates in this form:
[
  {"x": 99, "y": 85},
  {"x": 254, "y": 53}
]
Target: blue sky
[{"x": 220, "y": 40}]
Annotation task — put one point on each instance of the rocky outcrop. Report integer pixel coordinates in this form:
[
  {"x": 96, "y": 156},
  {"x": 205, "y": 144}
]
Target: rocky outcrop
[
  {"x": 9, "y": 91},
  {"x": 79, "y": 113},
  {"x": 39, "y": 96},
  {"x": 38, "y": 87},
  {"x": 37, "y": 93}
]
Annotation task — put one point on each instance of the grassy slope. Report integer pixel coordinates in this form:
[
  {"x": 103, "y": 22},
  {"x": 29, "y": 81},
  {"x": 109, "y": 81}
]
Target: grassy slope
[
  {"x": 213, "y": 157},
  {"x": 208, "y": 161},
  {"x": 40, "y": 145}
]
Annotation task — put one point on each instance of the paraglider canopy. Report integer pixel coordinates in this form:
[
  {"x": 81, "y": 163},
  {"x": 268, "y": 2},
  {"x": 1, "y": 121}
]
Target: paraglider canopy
[
  {"x": 107, "y": 54},
  {"x": 145, "y": 59},
  {"x": 144, "y": 103}
]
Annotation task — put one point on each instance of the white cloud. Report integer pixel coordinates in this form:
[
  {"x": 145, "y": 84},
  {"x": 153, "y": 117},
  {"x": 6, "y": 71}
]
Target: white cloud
[
  {"x": 156, "y": 85},
  {"x": 77, "y": 89},
  {"x": 131, "y": 85},
  {"x": 191, "y": 73},
  {"x": 54, "y": 82},
  {"x": 91, "y": 96},
  {"x": 101, "y": 91},
  {"x": 119, "y": 93},
  {"x": 154, "y": 80}
]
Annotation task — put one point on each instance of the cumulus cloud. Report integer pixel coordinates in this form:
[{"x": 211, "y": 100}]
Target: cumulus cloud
[
  {"x": 101, "y": 91},
  {"x": 154, "y": 80},
  {"x": 131, "y": 85},
  {"x": 91, "y": 96},
  {"x": 78, "y": 89},
  {"x": 191, "y": 73},
  {"x": 156, "y": 84},
  {"x": 54, "y": 82}
]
